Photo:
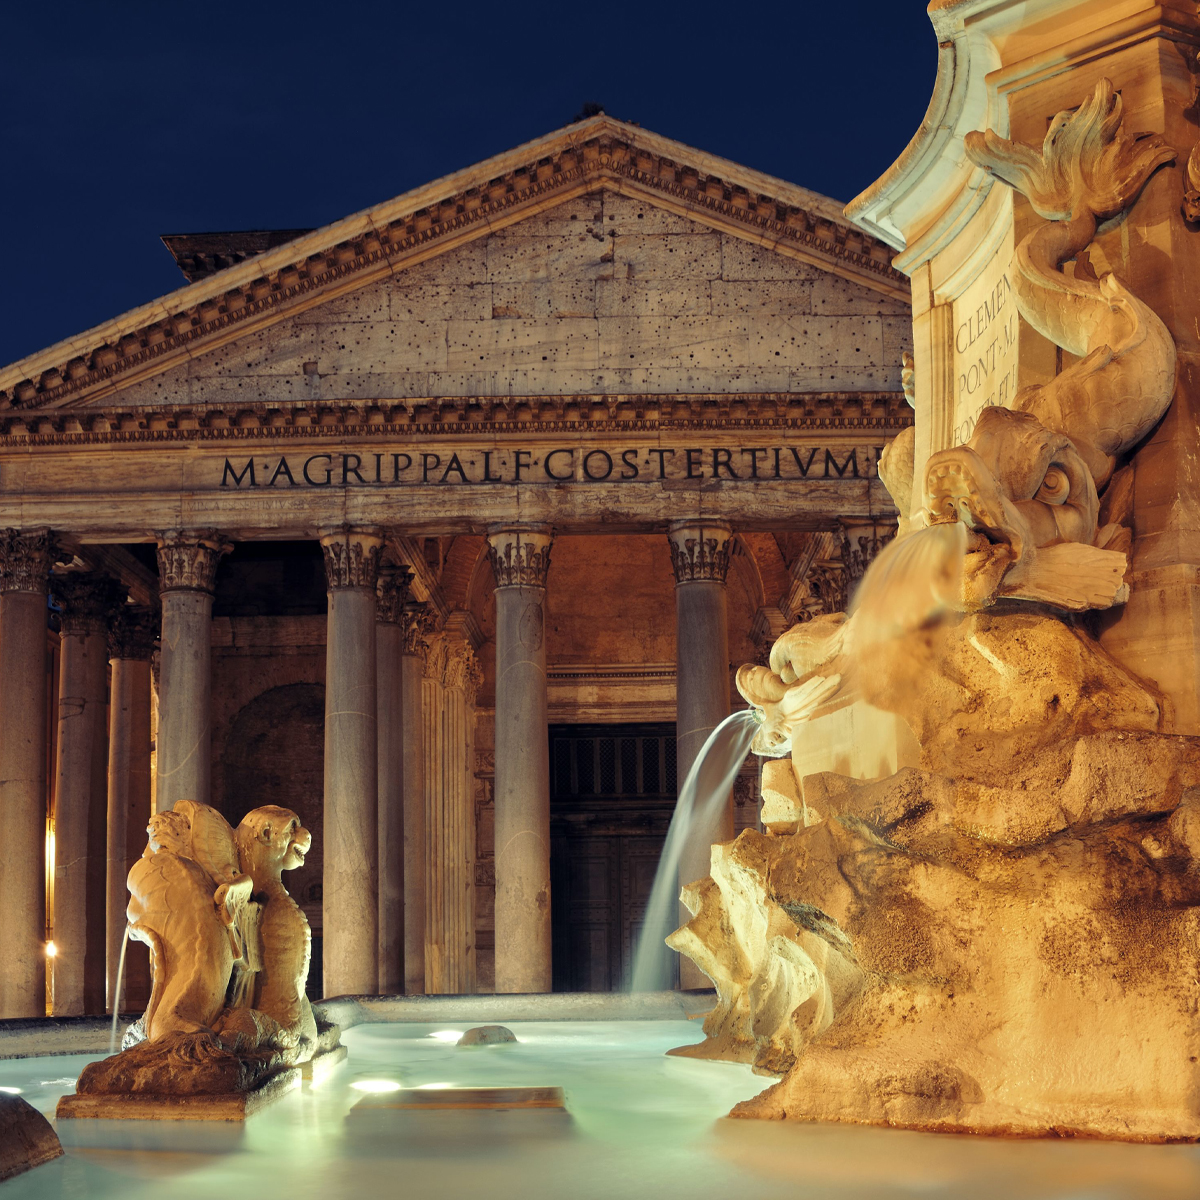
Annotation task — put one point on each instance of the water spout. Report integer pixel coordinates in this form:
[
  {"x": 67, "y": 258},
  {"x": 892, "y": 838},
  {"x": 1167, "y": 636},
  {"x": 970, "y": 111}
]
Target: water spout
[
  {"x": 704, "y": 791},
  {"x": 112, "y": 1038},
  {"x": 914, "y": 581}
]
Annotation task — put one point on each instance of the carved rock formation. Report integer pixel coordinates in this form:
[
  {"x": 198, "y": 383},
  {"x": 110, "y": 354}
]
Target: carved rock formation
[
  {"x": 946, "y": 956},
  {"x": 27, "y": 1139},
  {"x": 1006, "y": 940}
]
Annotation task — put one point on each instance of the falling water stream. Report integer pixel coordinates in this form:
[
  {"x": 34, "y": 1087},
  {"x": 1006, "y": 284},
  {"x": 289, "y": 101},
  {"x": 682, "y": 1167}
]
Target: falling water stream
[
  {"x": 112, "y": 1037},
  {"x": 704, "y": 791},
  {"x": 914, "y": 581}
]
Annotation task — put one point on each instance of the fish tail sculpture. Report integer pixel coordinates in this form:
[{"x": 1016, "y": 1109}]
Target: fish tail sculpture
[{"x": 1089, "y": 170}]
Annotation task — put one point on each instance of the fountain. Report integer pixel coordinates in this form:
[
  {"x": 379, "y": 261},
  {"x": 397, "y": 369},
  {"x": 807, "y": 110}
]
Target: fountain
[
  {"x": 228, "y": 1027},
  {"x": 1001, "y": 939}
]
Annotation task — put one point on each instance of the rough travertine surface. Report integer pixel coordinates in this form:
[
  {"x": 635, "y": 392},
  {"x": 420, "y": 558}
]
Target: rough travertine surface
[
  {"x": 601, "y": 294},
  {"x": 26, "y": 1138},
  {"x": 953, "y": 956}
]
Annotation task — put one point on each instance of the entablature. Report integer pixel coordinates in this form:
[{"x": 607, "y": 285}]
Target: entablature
[{"x": 505, "y": 417}]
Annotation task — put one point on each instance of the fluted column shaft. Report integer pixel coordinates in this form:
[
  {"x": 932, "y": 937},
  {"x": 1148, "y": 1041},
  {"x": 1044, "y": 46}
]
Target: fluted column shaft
[
  {"x": 24, "y": 570},
  {"x": 520, "y": 558},
  {"x": 80, "y": 795},
  {"x": 452, "y": 677},
  {"x": 412, "y": 683},
  {"x": 350, "y": 910},
  {"x": 700, "y": 558},
  {"x": 391, "y": 593},
  {"x": 187, "y": 566},
  {"x": 131, "y": 639}
]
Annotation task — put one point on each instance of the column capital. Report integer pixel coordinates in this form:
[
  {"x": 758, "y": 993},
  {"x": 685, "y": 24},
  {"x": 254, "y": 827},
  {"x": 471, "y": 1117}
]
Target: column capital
[
  {"x": 86, "y": 601},
  {"x": 187, "y": 561},
  {"x": 417, "y": 619},
  {"x": 133, "y": 633},
  {"x": 452, "y": 663},
  {"x": 700, "y": 551},
  {"x": 25, "y": 560},
  {"x": 860, "y": 543},
  {"x": 391, "y": 593},
  {"x": 351, "y": 557},
  {"x": 520, "y": 554}
]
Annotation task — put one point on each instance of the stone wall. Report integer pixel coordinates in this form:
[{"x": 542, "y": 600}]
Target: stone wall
[{"x": 604, "y": 294}]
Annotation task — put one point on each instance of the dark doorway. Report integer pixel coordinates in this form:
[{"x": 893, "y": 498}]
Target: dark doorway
[
  {"x": 612, "y": 792},
  {"x": 275, "y": 754}
]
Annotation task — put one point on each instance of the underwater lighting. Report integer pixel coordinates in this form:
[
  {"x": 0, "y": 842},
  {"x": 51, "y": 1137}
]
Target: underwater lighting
[
  {"x": 428, "y": 1087},
  {"x": 51, "y": 950},
  {"x": 376, "y": 1085},
  {"x": 10, "y": 1091},
  {"x": 447, "y": 1035}
]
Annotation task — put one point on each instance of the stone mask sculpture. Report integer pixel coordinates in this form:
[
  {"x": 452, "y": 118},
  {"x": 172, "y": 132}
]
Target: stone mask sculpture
[
  {"x": 229, "y": 952},
  {"x": 1002, "y": 940}
]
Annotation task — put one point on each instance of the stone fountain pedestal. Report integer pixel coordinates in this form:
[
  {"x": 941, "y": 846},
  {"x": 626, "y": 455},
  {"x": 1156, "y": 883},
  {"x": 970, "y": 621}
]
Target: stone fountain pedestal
[{"x": 194, "y": 1079}]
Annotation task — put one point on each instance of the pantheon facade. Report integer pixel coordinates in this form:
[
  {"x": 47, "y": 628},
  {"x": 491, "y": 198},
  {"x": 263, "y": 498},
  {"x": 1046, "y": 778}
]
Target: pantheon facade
[{"x": 443, "y": 526}]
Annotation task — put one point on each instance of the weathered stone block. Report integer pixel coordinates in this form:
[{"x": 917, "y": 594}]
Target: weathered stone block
[
  {"x": 521, "y": 259},
  {"x": 27, "y": 1139},
  {"x": 696, "y": 341},
  {"x": 748, "y": 260},
  {"x": 766, "y": 298},
  {"x": 816, "y": 341},
  {"x": 668, "y": 256},
  {"x": 624, "y": 297},
  {"x": 551, "y": 299},
  {"x": 836, "y": 297},
  {"x": 433, "y": 303},
  {"x": 507, "y": 343},
  {"x": 466, "y": 264}
]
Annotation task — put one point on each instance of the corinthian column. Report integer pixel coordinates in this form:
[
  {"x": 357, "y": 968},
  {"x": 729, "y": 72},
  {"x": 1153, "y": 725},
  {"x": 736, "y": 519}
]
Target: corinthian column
[
  {"x": 80, "y": 794},
  {"x": 24, "y": 570},
  {"x": 417, "y": 622},
  {"x": 131, "y": 637},
  {"x": 351, "y": 876},
  {"x": 700, "y": 558},
  {"x": 187, "y": 567},
  {"x": 520, "y": 558},
  {"x": 391, "y": 594}
]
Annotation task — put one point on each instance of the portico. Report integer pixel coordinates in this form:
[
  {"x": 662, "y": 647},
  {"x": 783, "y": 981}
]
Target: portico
[{"x": 391, "y": 525}]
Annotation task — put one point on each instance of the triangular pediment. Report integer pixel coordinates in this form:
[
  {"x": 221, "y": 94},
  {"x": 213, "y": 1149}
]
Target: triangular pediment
[{"x": 429, "y": 237}]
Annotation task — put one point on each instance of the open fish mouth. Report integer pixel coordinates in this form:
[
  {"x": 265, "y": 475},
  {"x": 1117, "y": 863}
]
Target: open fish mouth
[{"x": 959, "y": 488}]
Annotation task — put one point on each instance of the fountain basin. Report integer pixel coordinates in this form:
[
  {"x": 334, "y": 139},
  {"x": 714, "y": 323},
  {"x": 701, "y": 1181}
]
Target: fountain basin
[{"x": 635, "y": 1123}]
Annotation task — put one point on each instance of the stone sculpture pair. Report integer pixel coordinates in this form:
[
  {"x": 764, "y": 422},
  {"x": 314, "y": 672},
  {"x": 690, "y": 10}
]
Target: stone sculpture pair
[
  {"x": 229, "y": 955},
  {"x": 1006, "y": 937}
]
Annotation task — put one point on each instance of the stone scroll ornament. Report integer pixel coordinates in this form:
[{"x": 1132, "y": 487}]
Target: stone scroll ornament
[
  {"x": 1004, "y": 938},
  {"x": 229, "y": 957}
]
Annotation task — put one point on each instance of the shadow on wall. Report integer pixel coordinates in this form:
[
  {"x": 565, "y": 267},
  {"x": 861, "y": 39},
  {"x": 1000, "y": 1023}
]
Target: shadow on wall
[{"x": 275, "y": 754}]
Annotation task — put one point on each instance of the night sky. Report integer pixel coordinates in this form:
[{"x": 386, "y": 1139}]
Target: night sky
[{"x": 121, "y": 121}]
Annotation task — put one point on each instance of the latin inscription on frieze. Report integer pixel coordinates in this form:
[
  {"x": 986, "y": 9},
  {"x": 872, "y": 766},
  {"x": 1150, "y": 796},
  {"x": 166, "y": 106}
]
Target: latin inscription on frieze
[{"x": 567, "y": 464}]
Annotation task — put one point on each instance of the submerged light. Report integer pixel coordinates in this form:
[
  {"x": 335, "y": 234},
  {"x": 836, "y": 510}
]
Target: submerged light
[
  {"x": 447, "y": 1035},
  {"x": 11, "y": 1091},
  {"x": 426, "y": 1087},
  {"x": 376, "y": 1085}
]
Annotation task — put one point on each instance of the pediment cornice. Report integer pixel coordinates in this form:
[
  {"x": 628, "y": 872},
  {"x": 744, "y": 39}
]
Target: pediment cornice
[
  {"x": 597, "y": 154},
  {"x": 530, "y": 416}
]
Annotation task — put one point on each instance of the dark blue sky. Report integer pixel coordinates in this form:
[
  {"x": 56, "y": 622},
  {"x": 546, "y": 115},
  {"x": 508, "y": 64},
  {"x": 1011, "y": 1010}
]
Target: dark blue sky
[{"x": 122, "y": 120}]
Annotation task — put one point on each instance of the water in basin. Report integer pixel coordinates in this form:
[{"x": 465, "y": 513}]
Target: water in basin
[{"x": 640, "y": 1124}]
